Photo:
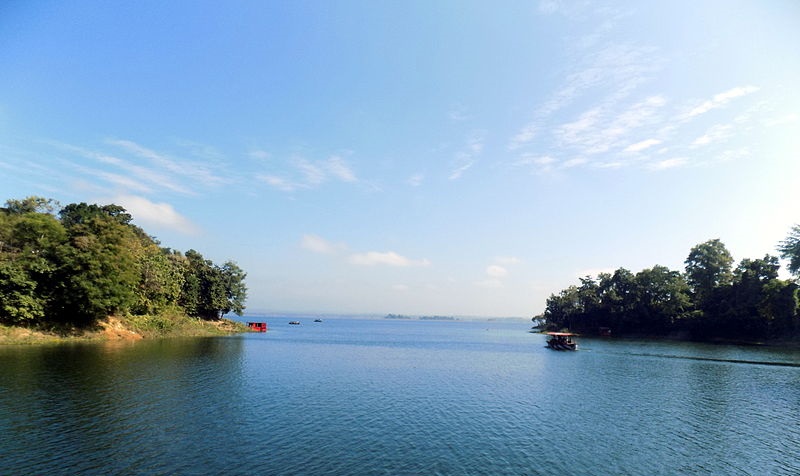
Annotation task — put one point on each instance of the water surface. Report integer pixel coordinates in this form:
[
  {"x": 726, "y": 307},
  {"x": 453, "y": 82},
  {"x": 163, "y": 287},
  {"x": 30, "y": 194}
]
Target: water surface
[{"x": 349, "y": 396}]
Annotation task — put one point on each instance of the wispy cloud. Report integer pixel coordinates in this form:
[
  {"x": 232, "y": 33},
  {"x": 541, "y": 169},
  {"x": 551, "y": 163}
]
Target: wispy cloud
[
  {"x": 721, "y": 99},
  {"x": 279, "y": 183},
  {"x": 496, "y": 271},
  {"x": 523, "y": 137},
  {"x": 416, "y": 180},
  {"x": 320, "y": 245},
  {"x": 716, "y": 133},
  {"x": 196, "y": 171},
  {"x": 467, "y": 157},
  {"x": 642, "y": 145},
  {"x": 306, "y": 174},
  {"x": 669, "y": 163},
  {"x": 389, "y": 258},
  {"x": 459, "y": 114}
]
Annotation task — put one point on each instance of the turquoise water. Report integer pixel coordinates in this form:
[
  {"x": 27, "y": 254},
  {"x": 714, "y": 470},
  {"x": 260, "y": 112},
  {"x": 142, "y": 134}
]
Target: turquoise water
[{"x": 366, "y": 397}]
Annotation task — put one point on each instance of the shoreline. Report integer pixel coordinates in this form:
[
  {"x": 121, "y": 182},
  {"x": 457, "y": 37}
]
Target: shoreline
[
  {"x": 117, "y": 328},
  {"x": 679, "y": 337}
]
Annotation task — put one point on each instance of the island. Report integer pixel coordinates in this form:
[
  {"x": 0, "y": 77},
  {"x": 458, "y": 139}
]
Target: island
[
  {"x": 710, "y": 301},
  {"x": 85, "y": 270}
]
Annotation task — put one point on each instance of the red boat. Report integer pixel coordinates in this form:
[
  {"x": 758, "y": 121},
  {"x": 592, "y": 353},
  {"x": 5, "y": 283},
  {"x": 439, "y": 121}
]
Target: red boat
[{"x": 257, "y": 326}]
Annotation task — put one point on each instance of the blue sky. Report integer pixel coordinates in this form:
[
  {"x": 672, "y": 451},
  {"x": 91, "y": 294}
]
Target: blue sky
[{"x": 433, "y": 157}]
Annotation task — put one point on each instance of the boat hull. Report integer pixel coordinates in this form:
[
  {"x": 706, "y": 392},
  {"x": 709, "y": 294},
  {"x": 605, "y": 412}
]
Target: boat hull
[{"x": 562, "y": 346}]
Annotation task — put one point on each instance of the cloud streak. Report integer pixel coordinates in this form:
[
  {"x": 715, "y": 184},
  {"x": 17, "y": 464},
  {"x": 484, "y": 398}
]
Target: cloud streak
[
  {"x": 389, "y": 258},
  {"x": 721, "y": 99},
  {"x": 305, "y": 174}
]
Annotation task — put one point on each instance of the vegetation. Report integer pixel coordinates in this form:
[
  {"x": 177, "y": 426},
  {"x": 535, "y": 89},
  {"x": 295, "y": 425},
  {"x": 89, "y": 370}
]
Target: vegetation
[
  {"x": 70, "y": 267},
  {"x": 710, "y": 300}
]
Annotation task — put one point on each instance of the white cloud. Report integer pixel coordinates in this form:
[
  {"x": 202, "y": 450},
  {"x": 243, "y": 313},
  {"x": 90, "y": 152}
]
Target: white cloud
[
  {"x": 669, "y": 163},
  {"x": 714, "y": 134},
  {"x": 548, "y": 7},
  {"x": 640, "y": 146},
  {"x": 459, "y": 114},
  {"x": 467, "y": 157},
  {"x": 311, "y": 174},
  {"x": 195, "y": 171},
  {"x": 496, "y": 271},
  {"x": 523, "y": 137},
  {"x": 389, "y": 258},
  {"x": 602, "y": 128},
  {"x": 721, "y": 99},
  {"x": 416, "y": 180},
  {"x": 340, "y": 170},
  {"x": 574, "y": 162},
  {"x": 161, "y": 215},
  {"x": 318, "y": 244},
  {"x": 279, "y": 183}
]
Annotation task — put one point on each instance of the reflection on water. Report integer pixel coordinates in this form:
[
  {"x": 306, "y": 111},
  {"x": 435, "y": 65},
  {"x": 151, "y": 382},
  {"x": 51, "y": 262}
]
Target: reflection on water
[{"x": 382, "y": 397}]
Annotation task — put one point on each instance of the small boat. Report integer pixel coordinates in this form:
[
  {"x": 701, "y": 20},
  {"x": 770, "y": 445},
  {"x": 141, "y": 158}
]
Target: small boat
[
  {"x": 562, "y": 341},
  {"x": 257, "y": 326},
  {"x": 294, "y": 323},
  {"x": 317, "y": 320}
]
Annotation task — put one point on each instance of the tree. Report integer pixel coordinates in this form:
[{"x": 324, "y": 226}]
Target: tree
[
  {"x": 790, "y": 250},
  {"x": 97, "y": 271},
  {"x": 19, "y": 301},
  {"x": 32, "y": 204},
  {"x": 235, "y": 289},
  {"x": 662, "y": 298},
  {"x": 708, "y": 267},
  {"x": 80, "y": 213},
  {"x": 211, "y": 291}
]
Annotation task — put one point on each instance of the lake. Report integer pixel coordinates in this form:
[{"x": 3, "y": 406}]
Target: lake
[{"x": 398, "y": 397}]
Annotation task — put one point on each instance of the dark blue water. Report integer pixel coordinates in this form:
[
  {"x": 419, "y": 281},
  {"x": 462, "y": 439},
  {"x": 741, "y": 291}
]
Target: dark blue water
[{"x": 369, "y": 397}]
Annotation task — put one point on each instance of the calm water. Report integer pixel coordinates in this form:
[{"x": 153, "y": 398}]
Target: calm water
[{"x": 398, "y": 397}]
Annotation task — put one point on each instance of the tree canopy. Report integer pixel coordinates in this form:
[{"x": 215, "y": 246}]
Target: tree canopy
[
  {"x": 709, "y": 300},
  {"x": 88, "y": 261}
]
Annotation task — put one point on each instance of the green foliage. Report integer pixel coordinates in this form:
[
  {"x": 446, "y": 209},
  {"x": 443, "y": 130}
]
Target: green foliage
[
  {"x": 91, "y": 262},
  {"x": 210, "y": 291},
  {"x": 708, "y": 266},
  {"x": 19, "y": 302},
  {"x": 710, "y": 301},
  {"x": 790, "y": 250}
]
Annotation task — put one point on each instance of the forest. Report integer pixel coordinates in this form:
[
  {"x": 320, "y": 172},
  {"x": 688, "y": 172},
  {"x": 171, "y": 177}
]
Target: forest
[
  {"x": 77, "y": 264},
  {"x": 710, "y": 300}
]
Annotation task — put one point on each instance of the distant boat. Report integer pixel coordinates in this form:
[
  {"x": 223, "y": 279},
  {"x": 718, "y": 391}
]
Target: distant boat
[
  {"x": 561, "y": 341},
  {"x": 294, "y": 323},
  {"x": 317, "y": 320}
]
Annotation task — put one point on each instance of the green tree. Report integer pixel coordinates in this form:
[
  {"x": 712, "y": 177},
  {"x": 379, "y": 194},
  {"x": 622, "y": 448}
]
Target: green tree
[
  {"x": 29, "y": 242},
  {"x": 211, "y": 291},
  {"x": 662, "y": 298},
  {"x": 235, "y": 289},
  {"x": 708, "y": 267},
  {"x": 19, "y": 301},
  {"x": 97, "y": 268},
  {"x": 790, "y": 250},
  {"x": 32, "y": 204}
]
